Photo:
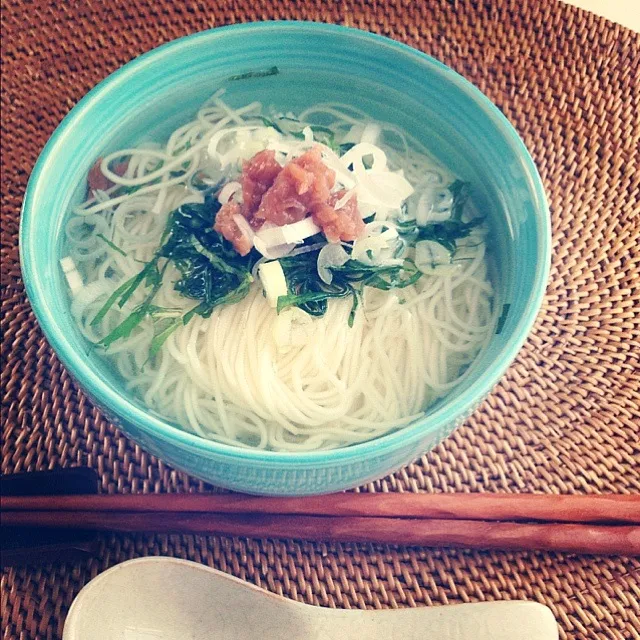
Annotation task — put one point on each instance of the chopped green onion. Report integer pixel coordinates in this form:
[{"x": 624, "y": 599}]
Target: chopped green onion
[{"x": 115, "y": 247}]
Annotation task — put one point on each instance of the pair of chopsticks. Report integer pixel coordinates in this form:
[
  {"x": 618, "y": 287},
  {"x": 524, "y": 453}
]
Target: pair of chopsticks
[{"x": 602, "y": 524}]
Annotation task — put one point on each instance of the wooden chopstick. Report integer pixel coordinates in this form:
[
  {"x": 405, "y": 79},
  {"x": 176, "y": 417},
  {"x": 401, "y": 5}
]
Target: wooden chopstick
[
  {"x": 601, "y": 509},
  {"x": 471, "y": 534}
]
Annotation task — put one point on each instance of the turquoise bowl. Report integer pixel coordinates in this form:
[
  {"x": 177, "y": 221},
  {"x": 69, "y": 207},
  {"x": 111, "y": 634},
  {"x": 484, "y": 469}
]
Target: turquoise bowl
[{"x": 153, "y": 94}]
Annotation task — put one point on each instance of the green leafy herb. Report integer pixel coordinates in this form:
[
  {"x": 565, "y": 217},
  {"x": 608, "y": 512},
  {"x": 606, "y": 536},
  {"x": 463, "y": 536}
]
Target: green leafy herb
[
  {"x": 324, "y": 135},
  {"x": 321, "y": 134},
  {"x": 343, "y": 148},
  {"x": 153, "y": 278},
  {"x": 115, "y": 247},
  {"x": 161, "y": 336},
  {"x": 447, "y": 232},
  {"x": 306, "y": 290},
  {"x": 149, "y": 273},
  {"x": 354, "y": 308},
  {"x": 124, "y": 329},
  {"x": 111, "y": 301},
  {"x": 314, "y": 300},
  {"x": 408, "y": 231},
  {"x": 309, "y": 293},
  {"x": 460, "y": 192},
  {"x": 269, "y": 123},
  {"x": 271, "y": 71},
  {"x": 211, "y": 272}
]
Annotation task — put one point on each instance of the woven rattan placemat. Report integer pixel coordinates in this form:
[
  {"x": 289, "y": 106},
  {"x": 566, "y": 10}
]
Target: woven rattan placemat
[{"x": 566, "y": 417}]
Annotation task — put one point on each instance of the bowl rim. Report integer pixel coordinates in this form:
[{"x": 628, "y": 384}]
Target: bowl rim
[{"x": 125, "y": 410}]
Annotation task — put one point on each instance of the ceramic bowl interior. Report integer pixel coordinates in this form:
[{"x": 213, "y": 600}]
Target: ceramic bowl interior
[{"x": 152, "y": 95}]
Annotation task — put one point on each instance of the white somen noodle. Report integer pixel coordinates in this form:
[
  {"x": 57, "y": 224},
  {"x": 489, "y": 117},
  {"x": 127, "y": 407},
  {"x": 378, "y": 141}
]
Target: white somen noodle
[{"x": 247, "y": 375}]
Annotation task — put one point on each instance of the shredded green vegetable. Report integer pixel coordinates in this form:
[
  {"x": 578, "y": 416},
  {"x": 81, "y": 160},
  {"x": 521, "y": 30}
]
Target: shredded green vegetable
[
  {"x": 115, "y": 247},
  {"x": 448, "y": 232},
  {"x": 311, "y": 294},
  {"x": 294, "y": 127},
  {"x": 212, "y": 273},
  {"x": 271, "y": 71}
]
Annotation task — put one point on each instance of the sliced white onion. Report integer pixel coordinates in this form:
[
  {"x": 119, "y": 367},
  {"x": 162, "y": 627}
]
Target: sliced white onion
[
  {"x": 214, "y": 141},
  {"x": 369, "y": 249},
  {"x": 384, "y": 188},
  {"x": 298, "y": 231},
  {"x": 377, "y": 227},
  {"x": 294, "y": 252},
  {"x": 289, "y": 233},
  {"x": 389, "y": 234},
  {"x": 228, "y": 191},
  {"x": 308, "y": 134},
  {"x": 345, "y": 198},
  {"x": 356, "y": 154},
  {"x": 354, "y": 135},
  {"x": 285, "y": 149},
  {"x": 74, "y": 280},
  {"x": 244, "y": 226},
  {"x": 271, "y": 237},
  {"x": 72, "y": 275},
  {"x": 306, "y": 248},
  {"x": 425, "y": 205},
  {"x": 273, "y": 281},
  {"x": 344, "y": 177},
  {"x": 371, "y": 133},
  {"x": 377, "y": 245},
  {"x": 246, "y": 145},
  {"x": 256, "y": 266},
  {"x": 367, "y": 209},
  {"x": 67, "y": 264},
  {"x": 331, "y": 255},
  {"x": 426, "y": 210},
  {"x": 430, "y": 255},
  {"x": 272, "y": 253}
]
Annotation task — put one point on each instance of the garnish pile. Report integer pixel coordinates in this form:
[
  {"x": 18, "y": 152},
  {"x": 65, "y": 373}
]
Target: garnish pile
[{"x": 293, "y": 229}]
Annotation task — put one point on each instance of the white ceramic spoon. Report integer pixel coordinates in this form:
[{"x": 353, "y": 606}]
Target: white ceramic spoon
[{"x": 171, "y": 599}]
